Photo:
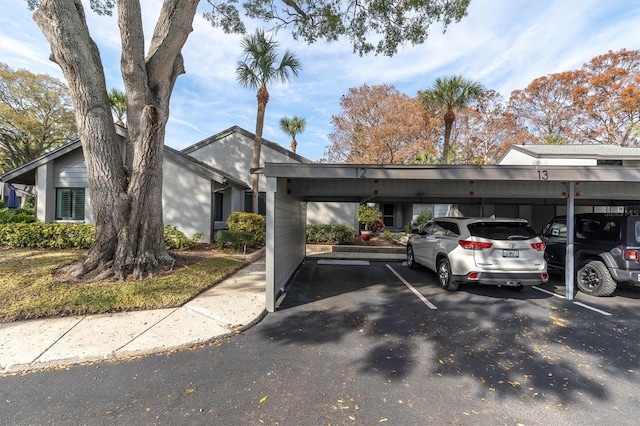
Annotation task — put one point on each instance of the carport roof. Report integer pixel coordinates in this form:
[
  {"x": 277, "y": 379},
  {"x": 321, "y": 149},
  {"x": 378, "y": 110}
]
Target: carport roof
[{"x": 457, "y": 183}]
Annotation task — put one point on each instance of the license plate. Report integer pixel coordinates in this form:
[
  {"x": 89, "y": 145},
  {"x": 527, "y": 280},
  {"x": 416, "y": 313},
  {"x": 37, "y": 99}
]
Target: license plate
[{"x": 511, "y": 253}]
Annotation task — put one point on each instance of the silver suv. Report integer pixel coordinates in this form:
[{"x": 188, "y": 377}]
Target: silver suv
[{"x": 495, "y": 251}]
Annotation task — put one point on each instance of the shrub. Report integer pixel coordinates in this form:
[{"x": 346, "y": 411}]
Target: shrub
[
  {"x": 47, "y": 235},
  {"x": 174, "y": 239},
  {"x": 73, "y": 235},
  {"x": 30, "y": 204},
  {"x": 368, "y": 215},
  {"x": 378, "y": 226},
  {"x": 2, "y": 205},
  {"x": 249, "y": 222},
  {"x": 334, "y": 234},
  {"x": 21, "y": 215},
  {"x": 390, "y": 236},
  {"x": 236, "y": 240},
  {"x": 424, "y": 217}
]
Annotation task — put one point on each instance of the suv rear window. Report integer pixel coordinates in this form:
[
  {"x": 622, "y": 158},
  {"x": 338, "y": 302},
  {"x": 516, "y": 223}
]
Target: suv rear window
[
  {"x": 502, "y": 230},
  {"x": 603, "y": 229}
]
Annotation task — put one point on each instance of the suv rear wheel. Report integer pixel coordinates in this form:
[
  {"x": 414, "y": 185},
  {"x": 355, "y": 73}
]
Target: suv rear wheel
[
  {"x": 444, "y": 275},
  {"x": 594, "y": 279},
  {"x": 411, "y": 260}
]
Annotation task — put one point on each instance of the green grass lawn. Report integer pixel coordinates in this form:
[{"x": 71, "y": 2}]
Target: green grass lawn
[{"x": 28, "y": 291}]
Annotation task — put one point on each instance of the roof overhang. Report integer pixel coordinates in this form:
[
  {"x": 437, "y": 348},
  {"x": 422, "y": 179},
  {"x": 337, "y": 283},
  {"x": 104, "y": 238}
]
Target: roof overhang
[{"x": 513, "y": 184}]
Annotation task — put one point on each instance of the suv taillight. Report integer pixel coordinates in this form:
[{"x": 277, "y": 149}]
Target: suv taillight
[
  {"x": 474, "y": 245},
  {"x": 538, "y": 246},
  {"x": 630, "y": 255}
]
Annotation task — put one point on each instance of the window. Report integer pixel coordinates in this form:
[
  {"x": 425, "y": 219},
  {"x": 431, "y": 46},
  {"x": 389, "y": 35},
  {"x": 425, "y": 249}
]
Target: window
[
  {"x": 262, "y": 202},
  {"x": 609, "y": 162},
  {"x": 218, "y": 200},
  {"x": 69, "y": 203},
  {"x": 387, "y": 214}
]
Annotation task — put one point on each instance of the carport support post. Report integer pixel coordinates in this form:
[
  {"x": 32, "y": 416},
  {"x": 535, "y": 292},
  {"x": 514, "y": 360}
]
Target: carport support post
[{"x": 569, "y": 273}]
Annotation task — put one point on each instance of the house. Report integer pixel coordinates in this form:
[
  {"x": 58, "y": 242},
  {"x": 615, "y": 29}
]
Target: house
[
  {"x": 571, "y": 155},
  {"x": 232, "y": 151},
  {"x": 62, "y": 190},
  {"x": 202, "y": 184}
]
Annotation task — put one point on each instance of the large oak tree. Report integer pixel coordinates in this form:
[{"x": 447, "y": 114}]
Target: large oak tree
[
  {"x": 36, "y": 115},
  {"x": 378, "y": 125},
  {"x": 126, "y": 198}
]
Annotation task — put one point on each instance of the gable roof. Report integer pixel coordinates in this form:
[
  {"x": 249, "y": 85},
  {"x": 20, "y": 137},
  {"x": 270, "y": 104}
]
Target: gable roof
[
  {"x": 249, "y": 135},
  {"x": 201, "y": 168},
  {"x": 26, "y": 174},
  {"x": 599, "y": 152}
]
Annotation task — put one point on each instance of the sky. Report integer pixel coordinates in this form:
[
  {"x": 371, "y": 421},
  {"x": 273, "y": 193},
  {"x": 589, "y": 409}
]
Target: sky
[{"x": 503, "y": 44}]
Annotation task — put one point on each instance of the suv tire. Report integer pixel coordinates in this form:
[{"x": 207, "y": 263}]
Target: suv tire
[
  {"x": 594, "y": 279},
  {"x": 411, "y": 260},
  {"x": 444, "y": 275}
]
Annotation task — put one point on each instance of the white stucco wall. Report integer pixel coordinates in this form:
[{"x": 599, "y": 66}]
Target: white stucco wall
[
  {"x": 516, "y": 158},
  {"x": 233, "y": 154},
  {"x": 330, "y": 213},
  {"x": 186, "y": 200}
]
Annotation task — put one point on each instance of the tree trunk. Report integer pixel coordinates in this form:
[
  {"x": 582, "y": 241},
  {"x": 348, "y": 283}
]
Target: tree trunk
[
  {"x": 449, "y": 118},
  {"x": 126, "y": 197},
  {"x": 263, "y": 98}
]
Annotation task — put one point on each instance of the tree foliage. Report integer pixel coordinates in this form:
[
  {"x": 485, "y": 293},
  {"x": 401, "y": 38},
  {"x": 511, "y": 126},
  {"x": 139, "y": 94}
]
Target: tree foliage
[
  {"x": 388, "y": 24},
  {"x": 262, "y": 66},
  {"x": 450, "y": 94},
  {"x": 292, "y": 126},
  {"x": 36, "y": 115},
  {"x": 378, "y": 125},
  {"x": 118, "y": 103},
  {"x": 597, "y": 104}
]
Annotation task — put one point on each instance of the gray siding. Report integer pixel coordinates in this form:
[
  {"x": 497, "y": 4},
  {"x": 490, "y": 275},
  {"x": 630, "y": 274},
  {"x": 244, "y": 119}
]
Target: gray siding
[
  {"x": 70, "y": 171},
  {"x": 286, "y": 224}
]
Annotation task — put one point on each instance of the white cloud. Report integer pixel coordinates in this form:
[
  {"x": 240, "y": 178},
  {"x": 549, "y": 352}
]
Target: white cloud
[{"x": 505, "y": 44}]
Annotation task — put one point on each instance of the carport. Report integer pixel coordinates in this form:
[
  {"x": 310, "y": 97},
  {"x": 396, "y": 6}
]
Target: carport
[{"x": 291, "y": 186}]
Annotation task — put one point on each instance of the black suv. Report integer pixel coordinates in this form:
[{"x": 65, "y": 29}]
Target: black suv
[{"x": 606, "y": 247}]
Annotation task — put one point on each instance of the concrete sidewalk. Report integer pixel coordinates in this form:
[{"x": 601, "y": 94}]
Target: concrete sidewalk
[{"x": 227, "y": 308}]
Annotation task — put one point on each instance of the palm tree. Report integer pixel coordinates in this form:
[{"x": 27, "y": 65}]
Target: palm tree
[
  {"x": 259, "y": 68},
  {"x": 118, "y": 103},
  {"x": 293, "y": 126},
  {"x": 451, "y": 93}
]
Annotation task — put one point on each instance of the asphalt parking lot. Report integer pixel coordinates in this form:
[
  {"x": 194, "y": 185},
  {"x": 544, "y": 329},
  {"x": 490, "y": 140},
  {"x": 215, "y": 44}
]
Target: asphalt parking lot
[{"x": 487, "y": 355}]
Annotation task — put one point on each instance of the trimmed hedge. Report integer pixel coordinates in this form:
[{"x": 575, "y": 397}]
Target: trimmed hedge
[
  {"x": 74, "y": 235},
  {"x": 252, "y": 223},
  {"x": 47, "y": 235},
  {"x": 234, "y": 239},
  {"x": 332, "y": 234}
]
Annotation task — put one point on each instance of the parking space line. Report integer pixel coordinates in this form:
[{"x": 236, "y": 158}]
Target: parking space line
[
  {"x": 412, "y": 288},
  {"x": 575, "y": 303}
]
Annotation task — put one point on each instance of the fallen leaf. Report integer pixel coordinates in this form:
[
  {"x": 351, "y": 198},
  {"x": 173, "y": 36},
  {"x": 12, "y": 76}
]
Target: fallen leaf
[{"x": 263, "y": 399}]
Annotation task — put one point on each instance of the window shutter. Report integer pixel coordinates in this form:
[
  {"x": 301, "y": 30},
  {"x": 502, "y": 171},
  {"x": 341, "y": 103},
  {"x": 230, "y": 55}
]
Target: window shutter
[{"x": 78, "y": 204}]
